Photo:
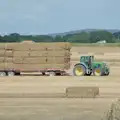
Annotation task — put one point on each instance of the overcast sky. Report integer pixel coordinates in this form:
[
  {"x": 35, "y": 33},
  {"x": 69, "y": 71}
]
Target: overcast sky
[{"x": 54, "y": 16}]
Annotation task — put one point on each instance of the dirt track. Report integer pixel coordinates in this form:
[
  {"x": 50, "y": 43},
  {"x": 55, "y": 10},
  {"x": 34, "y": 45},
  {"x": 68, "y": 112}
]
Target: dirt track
[{"x": 20, "y": 107}]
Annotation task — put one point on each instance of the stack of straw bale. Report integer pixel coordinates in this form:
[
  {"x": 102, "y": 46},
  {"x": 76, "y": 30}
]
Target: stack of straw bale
[{"x": 29, "y": 56}]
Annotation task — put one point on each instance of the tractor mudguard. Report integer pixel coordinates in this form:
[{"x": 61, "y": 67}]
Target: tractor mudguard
[{"x": 81, "y": 64}]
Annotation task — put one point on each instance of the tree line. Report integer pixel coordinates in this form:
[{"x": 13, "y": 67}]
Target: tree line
[{"x": 82, "y": 37}]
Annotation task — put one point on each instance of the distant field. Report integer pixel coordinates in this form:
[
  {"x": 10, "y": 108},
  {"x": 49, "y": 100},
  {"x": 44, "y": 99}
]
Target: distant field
[{"x": 95, "y": 44}]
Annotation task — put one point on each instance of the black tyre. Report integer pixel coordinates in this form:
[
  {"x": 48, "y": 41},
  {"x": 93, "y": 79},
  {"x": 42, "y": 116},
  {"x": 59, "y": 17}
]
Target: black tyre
[
  {"x": 43, "y": 73},
  {"x": 88, "y": 74},
  {"x": 107, "y": 74},
  {"x": 52, "y": 74},
  {"x": 79, "y": 70},
  {"x": 17, "y": 73},
  {"x": 11, "y": 73}
]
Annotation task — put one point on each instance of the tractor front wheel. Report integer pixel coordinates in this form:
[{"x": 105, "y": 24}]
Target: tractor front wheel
[
  {"x": 97, "y": 72},
  {"x": 79, "y": 70}
]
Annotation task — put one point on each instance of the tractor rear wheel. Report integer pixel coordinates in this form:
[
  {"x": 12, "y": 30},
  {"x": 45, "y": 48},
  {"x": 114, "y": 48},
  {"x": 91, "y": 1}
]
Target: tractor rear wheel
[
  {"x": 97, "y": 72},
  {"x": 79, "y": 70}
]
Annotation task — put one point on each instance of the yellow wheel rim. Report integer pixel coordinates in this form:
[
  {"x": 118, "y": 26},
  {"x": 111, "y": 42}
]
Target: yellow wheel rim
[
  {"x": 79, "y": 71},
  {"x": 97, "y": 72}
]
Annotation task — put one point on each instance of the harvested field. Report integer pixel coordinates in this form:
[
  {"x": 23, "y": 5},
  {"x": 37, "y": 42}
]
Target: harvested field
[{"x": 32, "y": 97}]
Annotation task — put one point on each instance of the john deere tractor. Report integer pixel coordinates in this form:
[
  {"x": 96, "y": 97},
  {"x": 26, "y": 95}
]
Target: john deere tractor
[{"x": 88, "y": 66}]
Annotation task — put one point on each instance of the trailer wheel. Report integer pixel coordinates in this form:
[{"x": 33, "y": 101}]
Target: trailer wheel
[
  {"x": 11, "y": 73},
  {"x": 58, "y": 74},
  {"x": 2, "y": 74},
  {"x": 52, "y": 74},
  {"x": 43, "y": 73},
  {"x": 17, "y": 73}
]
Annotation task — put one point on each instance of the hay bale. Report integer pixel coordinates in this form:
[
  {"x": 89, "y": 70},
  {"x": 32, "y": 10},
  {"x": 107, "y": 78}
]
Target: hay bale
[
  {"x": 38, "y": 67},
  {"x": 114, "y": 111},
  {"x": 61, "y": 53},
  {"x": 30, "y": 67},
  {"x": 8, "y": 59},
  {"x": 21, "y": 53},
  {"x": 38, "y": 46},
  {"x": 2, "y": 46},
  {"x": 82, "y": 92},
  {"x": 2, "y": 66},
  {"x": 38, "y": 53},
  {"x": 9, "y": 66},
  {"x": 58, "y": 46},
  {"x": 17, "y": 46},
  {"x": 34, "y": 60},
  {"x": 8, "y": 53},
  {"x": 18, "y": 60},
  {"x": 2, "y": 53},
  {"x": 2, "y": 59},
  {"x": 57, "y": 60},
  {"x": 53, "y": 53}
]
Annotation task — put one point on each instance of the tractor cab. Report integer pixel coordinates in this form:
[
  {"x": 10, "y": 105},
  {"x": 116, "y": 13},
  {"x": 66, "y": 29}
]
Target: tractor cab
[
  {"x": 88, "y": 66},
  {"x": 87, "y": 60}
]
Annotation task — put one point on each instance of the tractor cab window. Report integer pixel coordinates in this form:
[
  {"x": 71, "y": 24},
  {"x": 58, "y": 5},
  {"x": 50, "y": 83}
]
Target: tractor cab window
[{"x": 82, "y": 59}]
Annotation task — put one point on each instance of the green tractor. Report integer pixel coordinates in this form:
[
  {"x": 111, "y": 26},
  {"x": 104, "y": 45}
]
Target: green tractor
[{"x": 87, "y": 67}]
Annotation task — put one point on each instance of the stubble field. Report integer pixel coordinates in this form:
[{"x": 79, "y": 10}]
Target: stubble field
[{"x": 43, "y": 98}]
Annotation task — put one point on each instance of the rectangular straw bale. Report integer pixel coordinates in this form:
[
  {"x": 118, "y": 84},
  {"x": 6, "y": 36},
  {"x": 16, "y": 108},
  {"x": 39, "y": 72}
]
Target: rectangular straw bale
[
  {"x": 38, "y": 67},
  {"x": 2, "y": 53},
  {"x": 8, "y": 53},
  {"x": 58, "y": 60},
  {"x": 21, "y": 53},
  {"x": 37, "y": 47},
  {"x": 58, "y": 46},
  {"x": 17, "y": 46},
  {"x": 58, "y": 66},
  {"x": 67, "y": 66},
  {"x": 8, "y": 59},
  {"x": 18, "y": 60},
  {"x": 2, "y": 66},
  {"x": 2, "y": 46},
  {"x": 9, "y": 66},
  {"x": 2, "y": 59},
  {"x": 30, "y": 67},
  {"x": 82, "y": 92},
  {"x": 60, "y": 53},
  {"x": 38, "y": 53},
  {"x": 34, "y": 60}
]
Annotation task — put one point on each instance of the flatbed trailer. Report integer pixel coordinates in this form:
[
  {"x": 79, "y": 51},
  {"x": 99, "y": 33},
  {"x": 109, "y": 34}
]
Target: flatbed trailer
[{"x": 28, "y": 56}]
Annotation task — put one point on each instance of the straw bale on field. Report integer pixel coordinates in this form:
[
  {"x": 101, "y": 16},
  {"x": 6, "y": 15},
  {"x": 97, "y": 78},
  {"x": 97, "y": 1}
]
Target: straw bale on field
[{"x": 82, "y": 92}]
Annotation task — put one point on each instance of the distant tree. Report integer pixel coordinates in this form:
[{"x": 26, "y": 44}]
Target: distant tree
[
  {"x": 117, "y": 36},
  {"x": 101, "y": 35},
  {"x": 0, "y": 37},
  {"x": 12, "y": 38},
  {"x": 42, "y": 38},
  {"x": 59, "y": 38},
  {"x": 82, "y": 37}
]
